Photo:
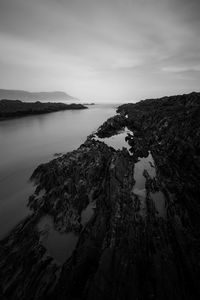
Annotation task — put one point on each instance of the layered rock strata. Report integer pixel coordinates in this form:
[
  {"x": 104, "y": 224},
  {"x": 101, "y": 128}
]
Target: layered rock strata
[{"x": 143, "y": 239}]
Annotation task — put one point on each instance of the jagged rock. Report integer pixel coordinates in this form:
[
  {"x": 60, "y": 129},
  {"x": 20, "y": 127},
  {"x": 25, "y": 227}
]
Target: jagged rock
[
  {"x": 111, "y": 126},
  {"x": 136, "y": 245}
]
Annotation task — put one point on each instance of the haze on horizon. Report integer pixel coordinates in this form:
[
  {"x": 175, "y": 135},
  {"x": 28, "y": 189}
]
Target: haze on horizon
[{"x": 101, "y": 49}]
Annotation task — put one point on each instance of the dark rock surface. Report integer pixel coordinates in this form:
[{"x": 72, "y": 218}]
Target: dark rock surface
[
  {"x": 139, "y": 243},
  {"x": 17, "y": 108},
  {"x": 111, "y": 126}
]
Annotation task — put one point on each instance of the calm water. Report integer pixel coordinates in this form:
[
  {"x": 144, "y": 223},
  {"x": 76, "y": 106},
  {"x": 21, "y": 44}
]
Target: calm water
[
  {"x": 87, "y": 213},
  {"x": 59, "y": 245},
  {"x": 147, "y": 163},
  {"x": 29, "y": 141},
  {"x": 116, "y": 141}
]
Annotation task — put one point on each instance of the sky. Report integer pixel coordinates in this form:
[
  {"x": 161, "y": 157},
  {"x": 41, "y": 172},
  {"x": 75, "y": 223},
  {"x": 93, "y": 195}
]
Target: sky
[{"x": 101, "y": 50}]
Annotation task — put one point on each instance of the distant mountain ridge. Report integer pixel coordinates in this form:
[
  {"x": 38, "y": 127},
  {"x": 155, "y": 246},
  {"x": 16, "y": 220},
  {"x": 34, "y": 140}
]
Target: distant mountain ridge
[{"x": 35, "y": 96}]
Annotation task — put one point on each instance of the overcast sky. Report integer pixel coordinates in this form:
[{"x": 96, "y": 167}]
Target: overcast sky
[{"x": 115, "y": 50}]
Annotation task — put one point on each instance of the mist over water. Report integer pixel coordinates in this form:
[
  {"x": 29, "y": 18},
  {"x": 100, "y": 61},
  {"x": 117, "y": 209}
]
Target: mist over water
[{"x": 29, "y": 141}]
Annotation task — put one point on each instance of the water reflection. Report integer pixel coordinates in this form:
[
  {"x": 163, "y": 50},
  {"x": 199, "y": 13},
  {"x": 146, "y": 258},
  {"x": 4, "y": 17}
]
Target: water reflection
[
  {"x": 144, "y": 163},
  {"x": 159, "y": 202},
  {"x": 116, "y": 141},
  {"x": 87, "y": 213},
  {"x": 147, "y": 163},
  {"x": 29, "y": 141},
  {"x": 59, "y": 245}
]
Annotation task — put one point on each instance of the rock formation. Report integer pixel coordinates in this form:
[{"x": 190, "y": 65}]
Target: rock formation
[
  {"x": 17, "y": 108},
  {"x": 143, "y": 240}
]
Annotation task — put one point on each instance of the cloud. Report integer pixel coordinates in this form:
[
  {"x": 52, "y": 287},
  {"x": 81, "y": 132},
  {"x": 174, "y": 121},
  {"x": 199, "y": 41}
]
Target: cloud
[
  {"x": 107, "y": 48},
  {"x": 178, "y": 69}
]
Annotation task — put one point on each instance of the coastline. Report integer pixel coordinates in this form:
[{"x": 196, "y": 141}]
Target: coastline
[
  {"x": 137, "y": 229},
  {"x": 10, "y": 109}
]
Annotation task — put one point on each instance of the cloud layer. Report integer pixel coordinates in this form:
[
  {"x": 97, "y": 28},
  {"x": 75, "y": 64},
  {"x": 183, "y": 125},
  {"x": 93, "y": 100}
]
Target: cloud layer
[{"x": 101, "y": 50}]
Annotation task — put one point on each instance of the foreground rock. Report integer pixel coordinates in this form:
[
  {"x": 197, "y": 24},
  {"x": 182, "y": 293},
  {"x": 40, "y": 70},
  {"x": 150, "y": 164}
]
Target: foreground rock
[
  {"x": 143, "y": 239},
  {"x": 16, "y": 108}
]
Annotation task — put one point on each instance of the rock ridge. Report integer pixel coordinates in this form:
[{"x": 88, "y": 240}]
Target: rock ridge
[{"x": 143, "y": 239}]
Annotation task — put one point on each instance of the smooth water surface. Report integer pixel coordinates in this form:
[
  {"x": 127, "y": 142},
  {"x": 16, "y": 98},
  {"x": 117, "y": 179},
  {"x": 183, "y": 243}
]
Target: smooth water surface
[
  {"x": 147, "y": 163},
  {"x": 144, "y": 163},
  {"x": 59, "y": 245},
  {"x": 26, "y": 142},
  {"x": 159, "y": 202},
  {"x": 87, "y": 213},
  {"x": 116, "y": 141}
]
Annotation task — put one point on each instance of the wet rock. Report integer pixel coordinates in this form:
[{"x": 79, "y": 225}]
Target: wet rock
[
  {"x": 26, "y": 271},
  {"x": 138, "y": 244},
  {"x": 111, "y": 126},
  {"x": 68, "y": 182}
]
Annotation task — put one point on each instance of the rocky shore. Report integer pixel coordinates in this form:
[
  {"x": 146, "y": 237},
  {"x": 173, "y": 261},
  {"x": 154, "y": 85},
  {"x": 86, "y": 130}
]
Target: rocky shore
[
  {"x": 142, "y": 240},
  {"x": 17, "y": 108}
]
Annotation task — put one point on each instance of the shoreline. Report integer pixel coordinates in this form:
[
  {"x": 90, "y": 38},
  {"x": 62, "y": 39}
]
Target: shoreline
[
  {"x": 145, "y": 217},
  {"x": 12, "y": 109}
]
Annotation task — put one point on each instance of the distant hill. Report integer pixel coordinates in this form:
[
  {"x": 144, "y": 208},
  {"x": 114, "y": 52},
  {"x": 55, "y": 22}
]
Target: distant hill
[{"x": 40, "y": 96}]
